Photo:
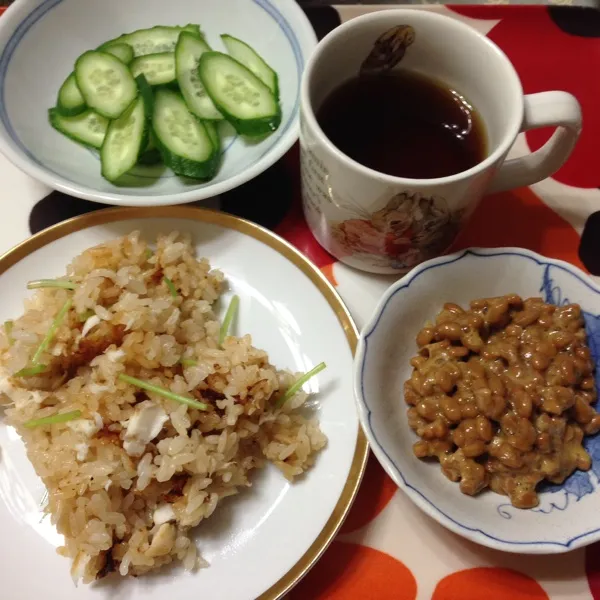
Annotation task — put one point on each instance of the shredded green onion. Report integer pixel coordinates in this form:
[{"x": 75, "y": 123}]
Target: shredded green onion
[
  {"x": 84, "y": 316},
  {"x": 149, "y": 253},
  {"x": 229, "y": 316},
  {"x": 8, "y": 327},
  {"x": 296, "y": 387},
  {"x": 62, "y": 313},
  {"x": 51, "y": 283},
  {"x": 31, "y": 371},
  {"x": 60, "y": 418},
  {"x": 171, "y": 287},
  {"x": 188, "y": 362},
  {"x": 150, "y": 387}
]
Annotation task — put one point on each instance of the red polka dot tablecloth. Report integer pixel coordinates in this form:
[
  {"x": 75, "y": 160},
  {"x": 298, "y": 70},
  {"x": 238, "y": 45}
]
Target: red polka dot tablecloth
[{"x": 387, "y": 549}]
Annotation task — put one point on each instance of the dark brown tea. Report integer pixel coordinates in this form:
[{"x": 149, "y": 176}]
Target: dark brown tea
[{"x": 404, "y": 124}]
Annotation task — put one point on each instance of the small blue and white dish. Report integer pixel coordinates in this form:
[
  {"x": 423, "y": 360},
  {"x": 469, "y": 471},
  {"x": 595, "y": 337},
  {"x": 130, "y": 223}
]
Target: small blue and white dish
[{"x": 568, "y": 515}]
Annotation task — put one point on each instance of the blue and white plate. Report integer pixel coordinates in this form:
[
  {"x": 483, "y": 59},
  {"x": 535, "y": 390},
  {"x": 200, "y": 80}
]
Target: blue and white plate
[
  {"x": 568, "y": 515},
  {"x": 41, "y": 39}
]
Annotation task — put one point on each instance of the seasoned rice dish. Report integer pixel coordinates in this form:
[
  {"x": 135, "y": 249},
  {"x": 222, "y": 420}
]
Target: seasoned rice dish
[{"x": 137, "y": 410}]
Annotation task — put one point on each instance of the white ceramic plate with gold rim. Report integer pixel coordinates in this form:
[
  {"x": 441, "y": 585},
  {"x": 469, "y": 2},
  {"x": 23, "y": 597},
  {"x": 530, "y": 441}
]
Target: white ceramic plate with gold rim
[{"x": 260, "y": 543}]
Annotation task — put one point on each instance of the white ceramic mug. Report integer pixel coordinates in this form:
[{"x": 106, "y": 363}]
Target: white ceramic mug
[{"x": 385, "y": 224}]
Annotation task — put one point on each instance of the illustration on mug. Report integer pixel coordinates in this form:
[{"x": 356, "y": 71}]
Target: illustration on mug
[
  {"x": 409, "y": 229},
  {"x": 389, "y": 49}
]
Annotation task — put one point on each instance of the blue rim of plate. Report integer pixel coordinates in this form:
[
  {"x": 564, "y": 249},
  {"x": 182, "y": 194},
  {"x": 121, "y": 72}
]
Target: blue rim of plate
[
  {"x": 38, "y": 13},
  {"x": 370, "y": 328}
]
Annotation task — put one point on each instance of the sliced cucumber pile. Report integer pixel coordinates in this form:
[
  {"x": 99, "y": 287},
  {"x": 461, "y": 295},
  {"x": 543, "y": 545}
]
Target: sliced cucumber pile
[
  {"x": 154, "y": 40},
  {"x": 157, "y": 95}
]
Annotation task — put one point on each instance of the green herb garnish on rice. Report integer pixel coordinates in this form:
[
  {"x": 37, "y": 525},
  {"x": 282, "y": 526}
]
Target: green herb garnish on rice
[
  {"x": 51, "y": 283},
  {"x": 229, "y": 316},
  {"x": 189, "y": 362},
  {"x": 118, "y": 433},
  {"x": 60, "y": 418},
  {"x": 165, "y": 393},
  {"x": 8, "y": 327},
  {"x": 295, "y": 388},
  {"x": 56, "y": 323},
  {"x": 35, "y": 368},
  {"x": 31, "y": 371},
  {"x": 84, "y": 316},
  {"x": 171, "y": 287}
]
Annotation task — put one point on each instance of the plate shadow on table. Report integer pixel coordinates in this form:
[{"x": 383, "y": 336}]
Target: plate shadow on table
[{"x": 265, "y": 200}]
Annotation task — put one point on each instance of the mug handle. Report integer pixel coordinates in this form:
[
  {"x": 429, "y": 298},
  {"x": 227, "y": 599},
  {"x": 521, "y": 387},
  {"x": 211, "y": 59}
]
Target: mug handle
[{"x": 546, "y": 109}]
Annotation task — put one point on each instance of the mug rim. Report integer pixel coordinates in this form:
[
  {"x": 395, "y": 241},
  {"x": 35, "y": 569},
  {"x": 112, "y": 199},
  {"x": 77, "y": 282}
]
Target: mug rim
[{"x": 307, "y": 112}]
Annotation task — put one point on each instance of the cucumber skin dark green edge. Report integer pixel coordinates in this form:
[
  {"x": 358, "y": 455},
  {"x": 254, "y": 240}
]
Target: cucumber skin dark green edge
[
  {"x": 253, "y": 127},
  {"x": 214, "y": 135},
  {"x": 276, "y": 90},
  {"x": 70, "y": 112},
  {"x": 150, "y": 157},
  {"x": 185, "y": 167},
  {"x": 145, "y": 91},
  {"x": 53, "y": 113}
]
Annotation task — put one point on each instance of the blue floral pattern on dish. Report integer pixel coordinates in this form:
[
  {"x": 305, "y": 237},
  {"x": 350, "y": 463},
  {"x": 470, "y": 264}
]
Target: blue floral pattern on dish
[
  {"x": 567, "y": 516},
  {"x": 580, "y": 483}
]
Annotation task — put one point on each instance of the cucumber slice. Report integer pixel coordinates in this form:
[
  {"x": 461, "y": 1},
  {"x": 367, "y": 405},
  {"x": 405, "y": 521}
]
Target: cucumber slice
[
  {"x": 154, "y": 40},
  {"x": 151, "y": 145},
  {"x": 159, "y": 69},
  {"x": 124, "y": 52},
  {"x": 188, "y": 51},
  {"x": 182, "y": 139},
  {"x": 88, "y": 128},
  {"x": 105, "y": 83},
  {"x": 127, "y": 136},
  {"x": 70, "y": 102},
  {"x": 213, "y": 133},
  {"x": 151, "y": 155},
  {"x": 252, "y": 60},
  {"x": 243, "y": 99}
]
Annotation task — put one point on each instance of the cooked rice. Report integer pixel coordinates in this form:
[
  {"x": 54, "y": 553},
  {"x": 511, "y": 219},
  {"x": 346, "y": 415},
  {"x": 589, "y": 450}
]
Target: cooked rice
[{"x": 122, "y": 501}]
